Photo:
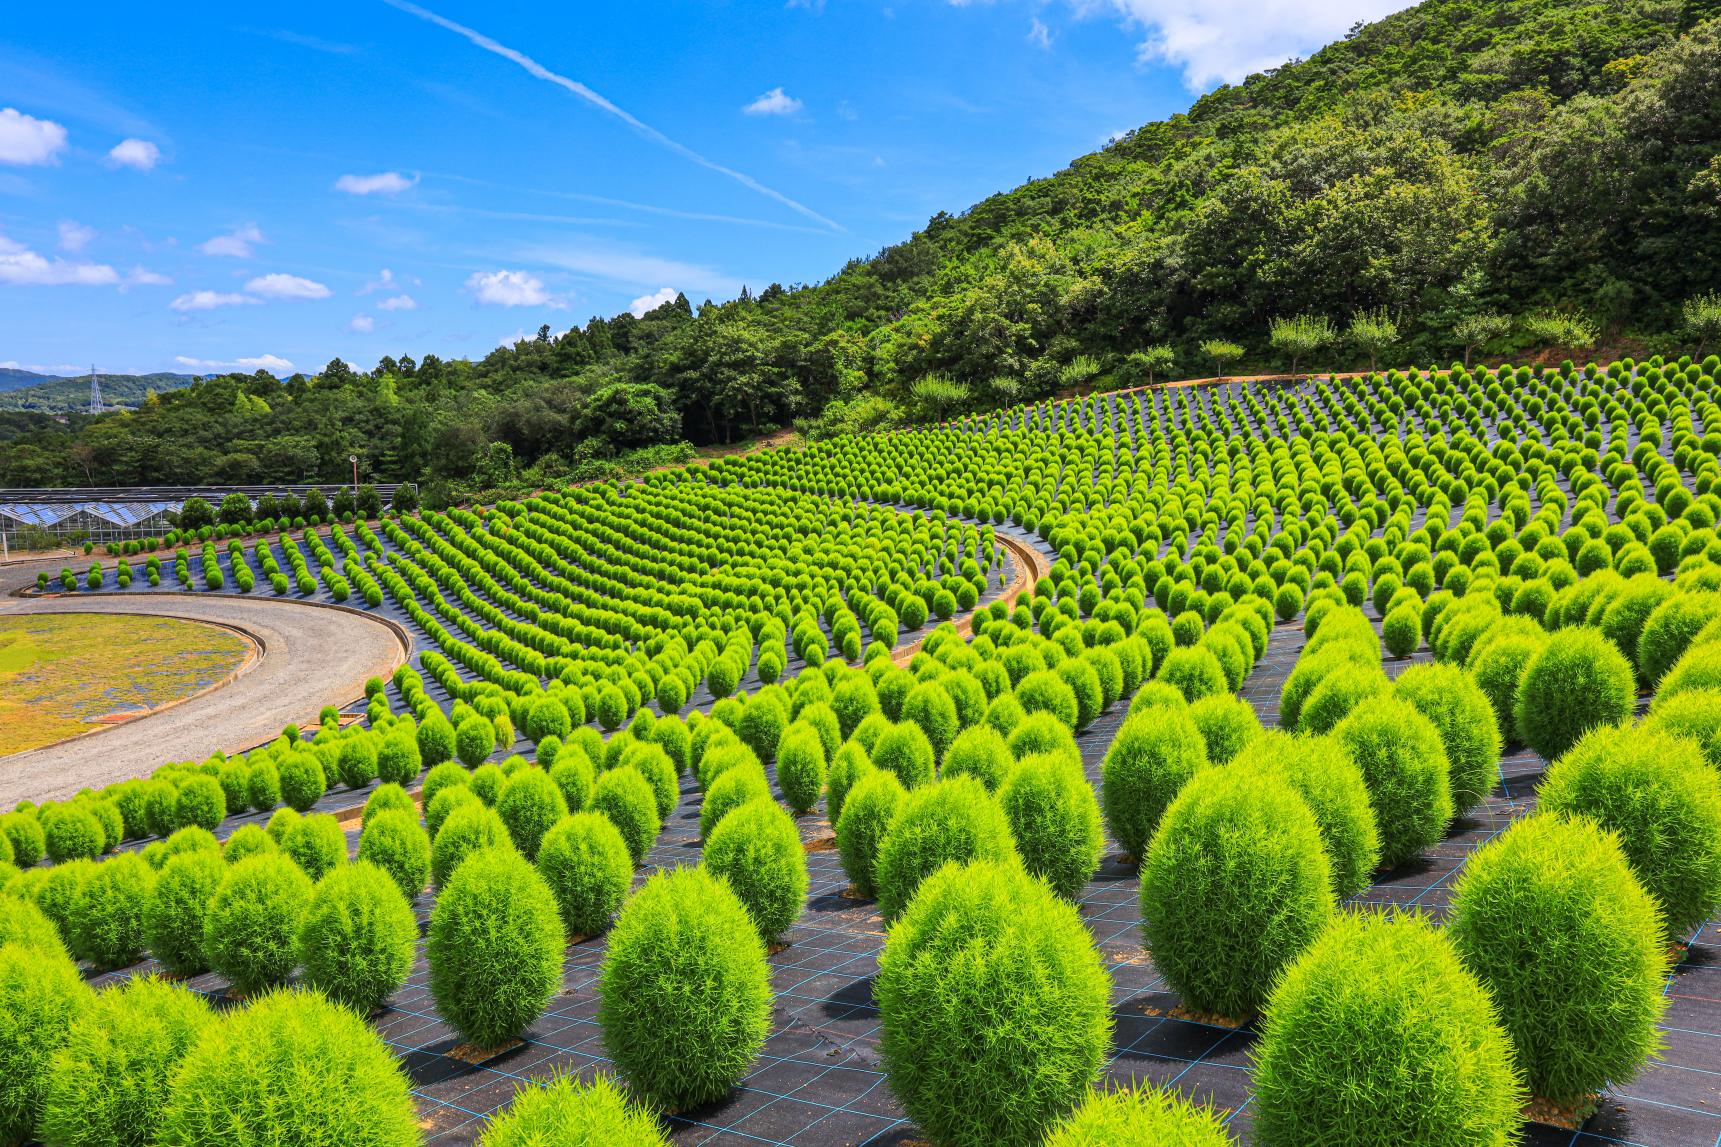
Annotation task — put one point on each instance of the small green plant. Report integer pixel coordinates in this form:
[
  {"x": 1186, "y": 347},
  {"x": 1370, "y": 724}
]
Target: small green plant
[
  {"x": 530, "y": 805},
  {"x": 1404, "y": 765},
  {"x": 107, "y": 1085},
  {"x": 1139, "y": 1115},
  {"x": 71, "y": 833},
  {"x": 475, "y": 740},
  {"x": 905, "y": 750},
  {"x": 682, "y": 1040},
  {"x": 564, "y": 1110},
  {"x": 626, "y": 798},
  {"x": 1659, "y": 794},
  {"x": 1154, "y": 754},
  {"x": 801, "y": 766},
  {"x": 995, "y": 1006},
  {"x": 472, "y": 827},
  {"x": 41, "y": 997},
  {"x": 979, "y": 752},
  {"x": 359, "y": 937},
  {"x": 251, "y": 931},
  {"x": 316, "y": 844},
  {"x": 107, "y": 920},
  {"x": 1577, "y": 682},
  {"x": 954, "y": 820},
  {"x": 1401, "y": 631},
  {"x": 1055, "y": 820},
  {"x": 174, "y": 918},
  {"x": 741, "y": 784},
  {"x": 1384, "y": 1003},
  {"x": 1227, "y": 724},
  {"x": 291, "y": 1068},
  {"x": 394, "y": 841},
  {"x": 869, "y": 811},
  {"x": 302, "y": 780},
  {"x": 586, "y": 863},
  {"x": 495, "y": 947},
  {"x": 1450, "y": 698},
  {"x": 1550, "y": 918},
  {"x": 757, "y": 849},
  {"x": 1333, "y": 788}
]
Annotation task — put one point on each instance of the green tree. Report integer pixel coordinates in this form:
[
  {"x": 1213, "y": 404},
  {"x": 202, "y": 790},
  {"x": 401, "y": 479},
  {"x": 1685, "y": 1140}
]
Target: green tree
[
  {"x": 1702, "y": 315},
  {"x": 1373, "y": 331},
  {"x": 405, "y": 500},
  {"x": 195, "y": 514},
  {"x": 1478, "y": 329},
  {"x": 235, "y": 508},
  {"x": 1152, "y": 360},
  {"x": 1300, "y": 335},
  {"x": 935, "y": 396},
  {"x": 369, "y": 501},
  {"x": 1221, "y": 352}
]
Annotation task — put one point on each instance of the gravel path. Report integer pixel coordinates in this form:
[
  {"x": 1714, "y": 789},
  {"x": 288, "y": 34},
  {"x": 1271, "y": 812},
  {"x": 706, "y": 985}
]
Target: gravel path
[{"x": 311, "y": 656}]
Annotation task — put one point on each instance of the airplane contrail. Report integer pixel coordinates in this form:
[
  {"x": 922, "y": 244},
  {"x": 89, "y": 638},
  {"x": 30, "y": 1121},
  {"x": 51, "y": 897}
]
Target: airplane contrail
[{"x": 541, "y": 72}]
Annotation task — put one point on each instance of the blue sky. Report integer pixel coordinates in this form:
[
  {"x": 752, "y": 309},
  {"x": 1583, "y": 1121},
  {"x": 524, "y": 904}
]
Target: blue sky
[{"x": 196, "y": 187}]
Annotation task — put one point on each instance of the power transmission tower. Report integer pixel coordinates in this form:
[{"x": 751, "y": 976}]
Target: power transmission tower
[{"x": 95, "y": 391}]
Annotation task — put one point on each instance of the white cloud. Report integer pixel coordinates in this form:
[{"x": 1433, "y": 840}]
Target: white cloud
[
  {"x": 140, "y": 277},
  {"x": 74, "y": 236},
  {"x": 509, "y": 289},
  {"x": 384, "y": 183},
  {"x": 647, "y": 303},
  {"x": 388, "y": 281},
  {"x": 269, "y": 362},
  {"x": 363, "y": 324},
  {"x": 235, "y": 244},
  {"x": 209, "y": 300},
  {"x": 773, "y": 102},
  {"x": 138, "y": 153},
  {"x": 398, "y": 303},
  {"x": 40, "y": 368},
  {"x": 1224, "y": 41},
  {"x": 1038, "y": 33},
  {"x": 279, "y": 286},
  {"x": 22, "y": 267},
  {"x": 27, "y": 141}
]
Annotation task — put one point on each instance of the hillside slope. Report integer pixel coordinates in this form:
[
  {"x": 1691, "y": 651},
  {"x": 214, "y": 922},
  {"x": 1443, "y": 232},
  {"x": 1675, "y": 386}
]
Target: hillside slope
[
  {"x": 1524, "y": 159},
  {"x": 22, "y": 390}
]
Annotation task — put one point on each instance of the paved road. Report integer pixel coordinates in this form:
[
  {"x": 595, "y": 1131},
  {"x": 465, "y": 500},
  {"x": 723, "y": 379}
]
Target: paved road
[{"x": 311, "y": 657}]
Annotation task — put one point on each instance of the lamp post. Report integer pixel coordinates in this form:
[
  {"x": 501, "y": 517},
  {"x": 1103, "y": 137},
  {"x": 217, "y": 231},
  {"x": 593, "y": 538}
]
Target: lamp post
[{"x": 354, "y": 459}]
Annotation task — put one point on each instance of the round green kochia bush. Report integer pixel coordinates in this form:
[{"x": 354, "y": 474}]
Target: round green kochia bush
[
  {"x": 291, "y": 1068},
  {"x": 735, "y": 787},
  {"x": 440, "y": 778},
  {"x": 626, "y": 798},
  {"x": 574, "y": 775},
  {"x": 495, "y": 947},
  {"x": 757, "y": 849},
  {"x": 1383, "y": 1003},
  {"x": 994, "y": 1004},
  {"x": 565, "y": 1111},
  {"x": 71, "y": 832},
  {"x": 438, "y": 811},
  {"x": 247, "y": 840},
  {"x": 979, "y": 752},
  {"x": 654, "y": 765},
  {"x": 21, "y": 922},
  {"x": 475, "y": 740},
  {"x": 1404, "y": 765},
  {"x": 470, "y": 828},
  {"x": 398, "y": 761},
  {"x": 58, "y": 890},
  {"x": 1551, "y": 919},
  {"x": 251, "y": 931},
  {"x": 41, "y": 998},
  {"x": 1234, "y": 886},
  {"x": 387, "y": 797},
  {"x": 1333, "y": 788},
  {"x": 1154, "y": 754},
  {"x": 529, "y": 806},
  {"x": 1401, "y": 632},
  {"x": 1450, "y": 698},
  {"x": 107, "y": 1086},
  {"x": 107, "y": 920},
  {"x": 173, "y": 920},
  {"x": 302, "y": 780},
  {"x": 1694, "y": 715},
  {"x": 684, "y": 996},
  {"x": 1141, "y": 1115},
  {"x": 1338, "y": 693},
  {"x": 847, "y": 768},
  {"x": 1498, "y": 666},
  {"x": 1044, "y": 691},
  {"x": 1055, "y": 820},
  {"x": 200, "y": 802},
  {"x": 356, "y": 763},
  {"x": 24, "y": 832},
  {"x": 1226, "y": 723},
  {"x": 949, "y": 821},
  {"x": 486, "y": 784},
  {"x": 1577, "y": 682},
  {"x": 1194, "y": 671},
  {"x": 586, "y": 863},
  {"x": 395, "y": 842},
  {"x": 316, "y": 844},
  {"x": 358, "y": 938},
  {"x": 930, "y": 707},
  {"x": 869, "y": 811},
  {"x": 761, "y": 725},
  {"x": 1659, "y": 794},
  {"x": 801, "y": 766},
  {"x": 904, "y": 749}
]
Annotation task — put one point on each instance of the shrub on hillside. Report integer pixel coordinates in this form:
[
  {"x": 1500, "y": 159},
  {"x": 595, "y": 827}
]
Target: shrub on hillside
[
  {"x": 1155, "y": 753},
  {"x": 1194, "y": 671},
  {"x": 472, "y": 827},
  {"x": 1404, "y": 765},
  {"x": 302, "y": 781},
  {"x": 359, "y": 937},
  {"x": 870, "y": 809},
  {"x": 1694, "y": 715},
  {"x": 107, "y": 1085},
  {"x": 251, "y": 931},
  {"x": 955, "y": 820},
  {"x": 847, "y": 767},
  {"x": 1055, "y": 821},
  {"x": 356, "y": 763},
  {"x": 1659, "y": 794},
  {"x": 107, "y": 919},
  {"x": 1578, "y": 681},
  {"x": 757, "y": 849},
  {"x": 529, "y": 806},
  {"x": 626, "y": 798},
  {"x": 1226, "y": 723},
  {"x": 397, "y": 759},
  {"x": 387, "y": 797},
  {"x": 474, "y": 740},
  {"x": 586, "y": 863},
  {"x": 175, "y": 915},
  {"x": 1450, "y": 698},
  {"x": 41, "y": 997},
  {"x": 1235, "y": 884},
  {"x": 683, "y": 1040},
  {"x": 291, "y": 1068},
  {"x": 1140, "y": 1115},
  {"x": 200, "y": 803},
  {"x": 70, "y": 832},
  {"x": 1551, "y": 919},
  {"x": 317, "y": 844},
  {"x": 1401, "y": 632},
  {"x": 905, "y": 749},
  {"x": 801, "y": 767},
  {"x": 395, "y": 842},
  {"x": 567, "y": 1111},
  {"x": 1340, "y": 691},
  {"x": 994, "y": 1004},
  {"x": 1333, "y": 788},
  {"x": 735, "y": 787},
  {"x": 495, "y": 947},
  {"x": 21, "y": 922}
]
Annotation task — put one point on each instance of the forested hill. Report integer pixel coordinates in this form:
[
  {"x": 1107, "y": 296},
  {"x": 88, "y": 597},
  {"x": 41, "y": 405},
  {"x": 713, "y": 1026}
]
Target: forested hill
[
  {"x": 49, "y": 394},
  {"x": 1488, "y": 175}
]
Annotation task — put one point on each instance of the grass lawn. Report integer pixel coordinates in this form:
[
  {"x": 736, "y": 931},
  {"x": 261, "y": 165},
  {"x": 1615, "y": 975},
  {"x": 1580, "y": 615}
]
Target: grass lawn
[{"x": 60, "y": 676}]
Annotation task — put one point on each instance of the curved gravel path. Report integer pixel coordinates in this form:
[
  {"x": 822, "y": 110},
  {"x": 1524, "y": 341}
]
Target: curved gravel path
[{"x": 311, "y": 657}]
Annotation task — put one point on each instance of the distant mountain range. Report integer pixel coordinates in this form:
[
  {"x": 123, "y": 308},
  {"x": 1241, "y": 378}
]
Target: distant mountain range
[{"x": 23, "y": 390}]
